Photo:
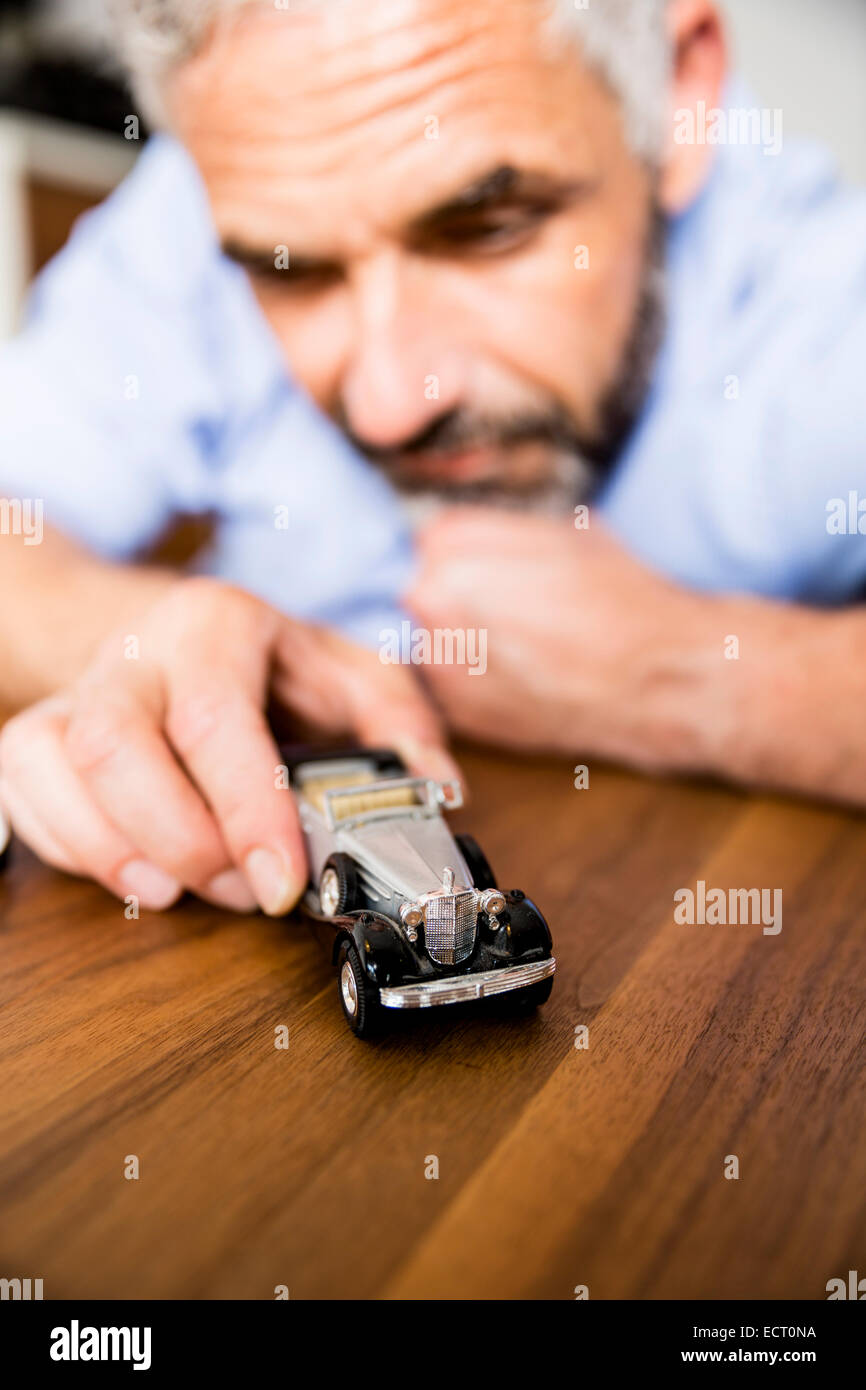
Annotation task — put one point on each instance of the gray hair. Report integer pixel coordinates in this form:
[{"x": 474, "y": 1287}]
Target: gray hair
[{"x": 625, "y": 41}]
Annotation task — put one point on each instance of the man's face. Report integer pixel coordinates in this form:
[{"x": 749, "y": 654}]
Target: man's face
[{"x": 434, "y": 170}]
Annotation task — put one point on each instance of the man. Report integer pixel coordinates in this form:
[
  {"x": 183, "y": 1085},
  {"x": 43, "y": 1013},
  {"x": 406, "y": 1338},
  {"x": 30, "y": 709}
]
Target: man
[{"x": 445, "y": 235}]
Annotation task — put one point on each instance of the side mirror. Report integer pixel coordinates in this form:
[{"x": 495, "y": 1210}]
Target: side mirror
[{"x": 449, "y": 795}]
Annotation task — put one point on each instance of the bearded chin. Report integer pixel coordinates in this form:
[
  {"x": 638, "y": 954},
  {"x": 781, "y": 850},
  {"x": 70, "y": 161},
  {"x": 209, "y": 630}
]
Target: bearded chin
[
  {"x": 578, "y": 465},
  {"x": 569, "y": 479}
]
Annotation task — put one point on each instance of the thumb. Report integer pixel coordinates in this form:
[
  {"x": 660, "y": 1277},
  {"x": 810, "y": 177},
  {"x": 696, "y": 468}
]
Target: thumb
[{"x": 343, "y": 688}]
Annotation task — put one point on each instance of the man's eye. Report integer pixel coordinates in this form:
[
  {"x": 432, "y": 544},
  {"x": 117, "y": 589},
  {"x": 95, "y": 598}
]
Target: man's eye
[
  {"x": 295, "y": 279},
  {"x": 487, "y": 234},
  {"x": 311, "y": 279}
]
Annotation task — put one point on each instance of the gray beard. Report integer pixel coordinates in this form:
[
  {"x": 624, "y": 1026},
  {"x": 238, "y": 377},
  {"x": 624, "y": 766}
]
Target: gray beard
[
  {"x": 580, "y": 465},
  {"x": 572, "y": 479}
]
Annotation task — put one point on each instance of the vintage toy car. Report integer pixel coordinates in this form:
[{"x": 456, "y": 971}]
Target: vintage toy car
[{"x": 416, "y": 917}]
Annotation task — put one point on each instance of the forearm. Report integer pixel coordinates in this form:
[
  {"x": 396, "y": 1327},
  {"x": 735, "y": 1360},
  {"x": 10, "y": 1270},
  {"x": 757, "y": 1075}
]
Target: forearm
[
  {"x": 57, "y": 604},
  {"x": 761, "y": 693}
]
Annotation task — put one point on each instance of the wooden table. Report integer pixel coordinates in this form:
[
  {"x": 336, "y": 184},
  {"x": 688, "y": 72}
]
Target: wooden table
[{"x": 558, "y": 1166}]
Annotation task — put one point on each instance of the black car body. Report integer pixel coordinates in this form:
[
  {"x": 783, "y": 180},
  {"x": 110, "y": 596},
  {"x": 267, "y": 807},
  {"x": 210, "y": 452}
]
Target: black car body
[{"x": 416, "y": 917}]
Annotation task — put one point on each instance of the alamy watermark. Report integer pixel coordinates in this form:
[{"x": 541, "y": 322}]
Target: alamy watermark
[
  {"x": 77, "y": 1343},
  {"x": 25, "y": 1290},
  {"x": 846, "y": 516},
  {"x": 852, "y": 1288},
  {"x": 22, "y": 516},
  {"x": 732, "y": 125},
  {"x": 440, "y": 646},
  {"x": 743, "y": 907}
]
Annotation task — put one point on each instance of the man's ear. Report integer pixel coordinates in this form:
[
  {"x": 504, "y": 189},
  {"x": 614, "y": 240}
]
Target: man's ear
[{"x": 697, "y": 79}]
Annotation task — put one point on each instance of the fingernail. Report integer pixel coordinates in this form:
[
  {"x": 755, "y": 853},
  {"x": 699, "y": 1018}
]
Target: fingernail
[
  {"x": 275, "y": 883},
  {"x": 429, "y": 760},
  {"x": 230, "y": 889},
  {"x": 154, "y": 889}
]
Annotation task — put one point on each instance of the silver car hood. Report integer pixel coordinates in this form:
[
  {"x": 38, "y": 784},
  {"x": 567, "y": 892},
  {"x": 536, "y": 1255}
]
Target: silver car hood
[{"x": 408, "y": 853}]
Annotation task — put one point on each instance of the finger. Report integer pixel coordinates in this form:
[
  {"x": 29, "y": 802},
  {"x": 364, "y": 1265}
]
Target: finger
[
  {"x": 451, "y": 567},
  {"x": 460, "y": 592},
  {"x": 28, "y": 828},
  {"x": 47, "y": 785},
  {"x": 483, "y": 529},
  {"x": 392, "y": 710},
  {"x": 446, "y": 593},
  {"x": 115, "y": 744},
  {"x": 346, "y": 689},
  {"x": 222, "y": 736},
  {"x": 16, "y": 742}
]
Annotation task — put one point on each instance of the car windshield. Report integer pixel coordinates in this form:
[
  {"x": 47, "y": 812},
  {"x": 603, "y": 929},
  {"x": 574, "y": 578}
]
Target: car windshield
[{"x": 360, "y": 796}]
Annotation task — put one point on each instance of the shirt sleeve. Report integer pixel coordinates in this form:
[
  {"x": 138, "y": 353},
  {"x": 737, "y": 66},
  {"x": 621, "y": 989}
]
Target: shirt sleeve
[
  {"x": 748, "y": 473},
  {"x": 108, "y": 412}
]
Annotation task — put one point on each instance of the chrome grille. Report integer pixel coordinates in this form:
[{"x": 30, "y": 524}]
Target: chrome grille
[{"x": 450, "y": 923}]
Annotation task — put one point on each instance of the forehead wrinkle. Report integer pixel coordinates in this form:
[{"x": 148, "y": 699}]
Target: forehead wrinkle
[
  {"x": 268, "y": 145},
  {"x": 392, "y": 64},
  {"x": 398, "y": 36},
  {"x": 297, "y": 200},
  {"x": 294, "y": 116},
  {"x": 459, "y": 98},
  {"x": 399, "y": 52}
]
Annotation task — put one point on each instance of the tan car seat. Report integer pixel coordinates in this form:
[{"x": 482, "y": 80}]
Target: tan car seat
[{"x": 377, "y": 798}]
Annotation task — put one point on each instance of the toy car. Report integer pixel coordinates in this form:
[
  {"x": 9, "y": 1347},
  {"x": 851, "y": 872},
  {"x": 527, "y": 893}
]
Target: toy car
[{"x": 416, "y": 916}]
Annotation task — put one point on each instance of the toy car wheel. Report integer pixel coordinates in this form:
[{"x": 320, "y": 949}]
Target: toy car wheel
[
  {"x": 358, "y": 997},
  {"x": 338, "y": 886},
  {"x": 476, "y": 861},
  {"x": 523, "y": 1001}
]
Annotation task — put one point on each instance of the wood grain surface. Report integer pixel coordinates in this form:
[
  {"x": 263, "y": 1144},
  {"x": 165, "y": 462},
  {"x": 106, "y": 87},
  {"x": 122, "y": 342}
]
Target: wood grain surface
[{"x": 558, "y": 1166}]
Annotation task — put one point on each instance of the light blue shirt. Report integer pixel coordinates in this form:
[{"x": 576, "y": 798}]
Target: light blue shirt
[{"x": 146, "y": 382}]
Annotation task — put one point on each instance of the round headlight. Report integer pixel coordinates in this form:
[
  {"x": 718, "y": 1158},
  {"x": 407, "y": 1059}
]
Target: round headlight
[
  {"x": 492, "y": 901},
  {"x": 411, "y": 915}
]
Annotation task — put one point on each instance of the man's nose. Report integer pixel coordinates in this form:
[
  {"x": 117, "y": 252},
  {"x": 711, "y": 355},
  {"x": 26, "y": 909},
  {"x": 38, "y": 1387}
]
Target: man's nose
[{"x": 400, "y": 374}]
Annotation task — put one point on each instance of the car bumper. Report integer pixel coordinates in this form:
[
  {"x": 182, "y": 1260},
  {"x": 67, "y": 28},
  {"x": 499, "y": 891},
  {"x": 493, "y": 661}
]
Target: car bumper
[{"x": 457, "y": 989}]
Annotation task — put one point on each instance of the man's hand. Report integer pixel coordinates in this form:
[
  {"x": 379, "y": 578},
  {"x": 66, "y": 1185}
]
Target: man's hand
[
  {"x": 156, "y": 771},
  {"x": 580, "y": 636},
  {"x": 590, "y": 652}
]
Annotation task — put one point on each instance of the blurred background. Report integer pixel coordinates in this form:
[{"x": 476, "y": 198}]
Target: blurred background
[
  {"x": 810, "y": 60},
  {"x": 63, "y": 113}
]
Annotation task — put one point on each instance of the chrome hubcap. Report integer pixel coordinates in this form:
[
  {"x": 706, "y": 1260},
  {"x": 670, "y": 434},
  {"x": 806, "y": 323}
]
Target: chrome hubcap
[
  {"x": 349, "y": 989},
  {"x": 329, "y": 893}
]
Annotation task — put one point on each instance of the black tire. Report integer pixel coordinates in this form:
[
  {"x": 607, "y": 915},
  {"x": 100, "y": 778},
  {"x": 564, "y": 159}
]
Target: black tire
[
  {"x": 348, "y": 893},
  {"x": 524, "y": 1001},
  {"x": 476, "y": 861},
  {"x": 360, "y": 1002}
]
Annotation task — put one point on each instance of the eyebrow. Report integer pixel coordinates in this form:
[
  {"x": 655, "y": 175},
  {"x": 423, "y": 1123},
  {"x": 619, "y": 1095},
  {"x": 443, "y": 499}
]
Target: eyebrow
[
  {"x": 506, "y": 184},
  {"x": 262, "y": 260},
  {"x": 498, "y": 187}
]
